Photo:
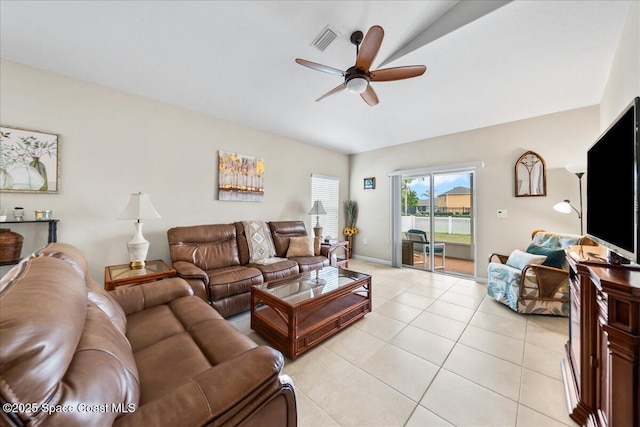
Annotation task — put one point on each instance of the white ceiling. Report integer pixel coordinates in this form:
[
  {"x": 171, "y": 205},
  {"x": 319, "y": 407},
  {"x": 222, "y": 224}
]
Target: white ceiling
[{"x": 235, "y": 60}]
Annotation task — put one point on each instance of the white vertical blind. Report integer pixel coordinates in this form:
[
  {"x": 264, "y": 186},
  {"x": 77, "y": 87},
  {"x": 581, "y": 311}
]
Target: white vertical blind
[{"x": 325, "y": 189}]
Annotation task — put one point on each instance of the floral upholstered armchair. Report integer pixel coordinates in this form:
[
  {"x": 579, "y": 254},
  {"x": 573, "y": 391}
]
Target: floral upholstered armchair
[{"x": 535, "y": 281}]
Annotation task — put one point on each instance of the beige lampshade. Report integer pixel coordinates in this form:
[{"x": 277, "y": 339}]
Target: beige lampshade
[
  {"x": 139, "y": 207},
  {"x": 317, "y": 208}
]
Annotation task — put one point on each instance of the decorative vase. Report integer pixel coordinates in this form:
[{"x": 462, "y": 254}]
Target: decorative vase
[
  {"x": 26, "y": 177},
  {"x": 42, "y": 170},
  {"x": 6, "y": 182},
  {"x": 350, "y": 240}
]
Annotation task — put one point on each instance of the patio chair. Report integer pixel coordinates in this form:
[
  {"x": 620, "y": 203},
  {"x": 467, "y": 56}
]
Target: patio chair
[{"x": 421, "y": 246}]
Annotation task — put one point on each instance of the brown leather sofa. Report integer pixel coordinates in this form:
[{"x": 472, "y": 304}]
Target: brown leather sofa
[
  {"x": 72, "y": 354},
  {"x": 214, "y": 260}
]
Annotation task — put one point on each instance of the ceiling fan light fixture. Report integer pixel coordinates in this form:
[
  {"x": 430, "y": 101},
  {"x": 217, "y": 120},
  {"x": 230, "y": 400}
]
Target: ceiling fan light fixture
[{"x": 357, "y": 84}]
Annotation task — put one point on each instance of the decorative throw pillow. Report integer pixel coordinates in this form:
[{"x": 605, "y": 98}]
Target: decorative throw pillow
[
  {"x": 300, "y": 246},
  {"x": 259, "y": 240},
  {"x": 555, "y": 257},
  {"x": 519, "y": 259}
]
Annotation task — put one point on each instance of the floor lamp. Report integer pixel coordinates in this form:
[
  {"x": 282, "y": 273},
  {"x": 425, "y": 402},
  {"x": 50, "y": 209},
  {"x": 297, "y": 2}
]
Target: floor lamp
[{"x": 565, "y": 206}]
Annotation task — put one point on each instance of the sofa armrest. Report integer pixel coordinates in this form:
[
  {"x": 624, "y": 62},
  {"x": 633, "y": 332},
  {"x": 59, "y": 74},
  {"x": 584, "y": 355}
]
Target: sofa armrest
[
  {"x": 228, "y": 393},
  {"x": 145, "y": 295},
  {"x": 324, "y": 250},
  {"x": 188, "y": 270}
]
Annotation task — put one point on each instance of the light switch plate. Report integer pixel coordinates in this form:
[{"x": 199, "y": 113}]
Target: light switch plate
[{"x": 502, "y": 213}]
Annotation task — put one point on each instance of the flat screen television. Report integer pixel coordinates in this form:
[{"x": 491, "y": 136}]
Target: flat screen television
[{"x": 612, "y": 187}]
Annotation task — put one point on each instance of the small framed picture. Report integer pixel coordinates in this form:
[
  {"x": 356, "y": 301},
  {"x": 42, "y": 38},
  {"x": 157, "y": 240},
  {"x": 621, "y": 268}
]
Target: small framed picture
[{"x": 369, "y": 183}]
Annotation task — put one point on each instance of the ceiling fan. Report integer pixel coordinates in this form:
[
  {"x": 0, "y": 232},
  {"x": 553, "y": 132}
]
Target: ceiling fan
[{"x": 357, "y": 79}]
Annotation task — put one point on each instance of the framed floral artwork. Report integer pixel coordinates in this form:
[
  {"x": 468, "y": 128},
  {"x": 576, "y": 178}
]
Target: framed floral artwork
[{"x": 29, "y": 161}]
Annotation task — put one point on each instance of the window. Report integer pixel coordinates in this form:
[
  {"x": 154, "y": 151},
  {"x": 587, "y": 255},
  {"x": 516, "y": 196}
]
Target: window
[{"x": 325, "y": 189}]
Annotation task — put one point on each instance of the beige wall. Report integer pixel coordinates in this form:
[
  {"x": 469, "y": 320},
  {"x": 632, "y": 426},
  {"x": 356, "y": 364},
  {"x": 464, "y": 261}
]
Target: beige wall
[
  {"x": 113, "y": 144},
  {"x": 559, "y": 138},
  {"x": 624, "y": 77}
]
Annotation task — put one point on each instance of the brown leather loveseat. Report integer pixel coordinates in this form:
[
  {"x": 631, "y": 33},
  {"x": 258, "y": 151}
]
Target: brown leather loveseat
[
  {"x": 216, "y": 261},
  {"x": 72, "y": 354}
]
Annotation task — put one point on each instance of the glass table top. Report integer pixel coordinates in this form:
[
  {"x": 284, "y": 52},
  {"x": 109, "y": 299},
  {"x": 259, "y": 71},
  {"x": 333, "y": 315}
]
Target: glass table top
[
  {"x": 312, "y": 284},
  {"x": 119, "y": 272}
]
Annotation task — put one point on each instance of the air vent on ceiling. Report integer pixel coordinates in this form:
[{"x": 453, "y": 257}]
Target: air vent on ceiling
[{"x": 324, "y": 39}]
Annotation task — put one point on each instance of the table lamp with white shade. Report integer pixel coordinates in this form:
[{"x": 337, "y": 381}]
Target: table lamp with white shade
[
  {"x": 139, "y": 207},
  {"x": 317, "y": 209}
]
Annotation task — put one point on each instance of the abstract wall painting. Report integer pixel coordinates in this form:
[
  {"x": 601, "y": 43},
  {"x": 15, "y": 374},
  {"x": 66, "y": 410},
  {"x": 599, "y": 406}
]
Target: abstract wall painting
[{"x": 240, "y": 177}]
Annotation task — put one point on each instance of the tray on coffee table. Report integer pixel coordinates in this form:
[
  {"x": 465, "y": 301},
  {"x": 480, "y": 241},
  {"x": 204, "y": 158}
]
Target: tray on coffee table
[{"x": 296, "y": 314}]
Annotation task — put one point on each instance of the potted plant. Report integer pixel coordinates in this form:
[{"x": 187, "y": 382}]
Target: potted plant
[{"x": 351, "y": 214}]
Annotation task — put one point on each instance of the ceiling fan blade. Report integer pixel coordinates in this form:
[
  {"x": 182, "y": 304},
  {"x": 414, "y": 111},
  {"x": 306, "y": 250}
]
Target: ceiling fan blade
[
  {"x": 332, "y": 92},
  {"x": 320, "y": 67},
  {"x": 397, "y": 73},
  {"x": 370, "y": 96},
  {"x": 369, "y": 47}
]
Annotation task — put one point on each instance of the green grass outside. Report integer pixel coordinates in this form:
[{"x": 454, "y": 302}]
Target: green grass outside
[{"x": 453, "y": 238}]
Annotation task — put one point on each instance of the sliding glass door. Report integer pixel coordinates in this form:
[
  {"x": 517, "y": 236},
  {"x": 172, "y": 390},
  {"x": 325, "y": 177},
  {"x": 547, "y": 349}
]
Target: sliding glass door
[{"x": 436, "y": 218}]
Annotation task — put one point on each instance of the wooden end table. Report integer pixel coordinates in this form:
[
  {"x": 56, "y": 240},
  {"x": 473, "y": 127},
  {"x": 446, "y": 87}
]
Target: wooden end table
[
  {"x": 119, "y": 275},
  {"x": 339, "y": 262}
]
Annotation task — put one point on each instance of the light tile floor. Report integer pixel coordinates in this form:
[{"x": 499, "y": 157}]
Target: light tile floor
[{"x": 435, "y": 351}]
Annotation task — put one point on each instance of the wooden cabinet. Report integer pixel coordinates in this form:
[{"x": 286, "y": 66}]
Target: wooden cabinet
[{"x": 601, "y": 371}]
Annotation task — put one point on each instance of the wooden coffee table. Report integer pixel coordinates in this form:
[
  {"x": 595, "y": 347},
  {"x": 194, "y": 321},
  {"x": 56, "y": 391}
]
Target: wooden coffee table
[{"x": 296, "y": 314}]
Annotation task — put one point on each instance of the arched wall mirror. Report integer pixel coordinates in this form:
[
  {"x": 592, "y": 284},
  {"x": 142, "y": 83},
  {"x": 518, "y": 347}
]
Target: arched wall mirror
[{"x": 531, "y": 176}]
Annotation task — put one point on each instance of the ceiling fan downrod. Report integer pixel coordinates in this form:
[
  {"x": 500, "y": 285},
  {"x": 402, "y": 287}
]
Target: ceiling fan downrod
[{"x": 356, "y": 38}]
